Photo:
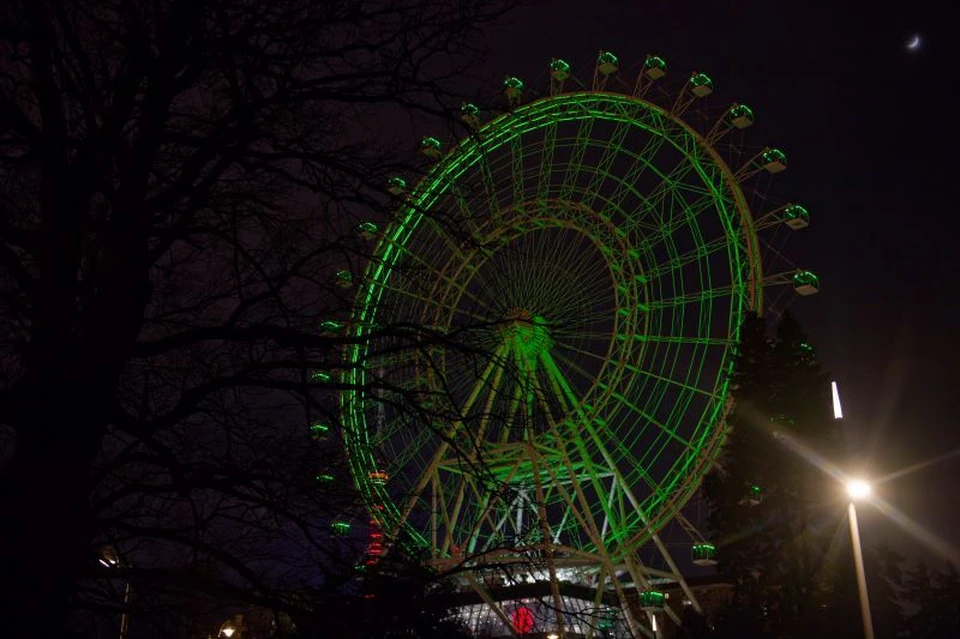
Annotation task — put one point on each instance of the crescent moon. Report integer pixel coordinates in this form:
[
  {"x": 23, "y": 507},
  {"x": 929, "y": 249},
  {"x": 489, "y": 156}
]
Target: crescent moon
[{"x": 914, "y": 44}]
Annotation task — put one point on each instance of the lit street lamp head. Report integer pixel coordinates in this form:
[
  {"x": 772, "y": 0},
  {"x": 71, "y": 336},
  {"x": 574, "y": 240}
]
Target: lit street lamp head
[{"x": 858, "y": 488}]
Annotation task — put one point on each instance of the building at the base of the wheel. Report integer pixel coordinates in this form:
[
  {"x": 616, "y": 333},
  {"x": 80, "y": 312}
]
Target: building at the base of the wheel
[{"x": 525, "y": 605}]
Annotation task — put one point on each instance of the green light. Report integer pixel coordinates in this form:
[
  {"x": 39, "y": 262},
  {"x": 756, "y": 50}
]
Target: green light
[
  {"x": 559, "y": 66},
  {"x": 741, "y": 110},
  {"x": 319, "y": 429},
  {"x": 331, "y": 326},
  {"x": 796, "y": 217},
  {"x": 431, "y": 147},
  {"x": 397, "y": 184},
  {"x": 340, "y": 527},
  {"x": 701, "y": 85},
  {"x": 607, "y": 57},
  {"x": 700, "y": 79},
  {"x": 470, "y": 115},
  {"x": 661, "y": 285},
  {"x": 652, "y": 599},
  {"x": 774, "y": 155},
  {"x": 344, "y": 278},
  {"x": 803, "y": 278},
  {"x": 805, "y": 347},
  {"x": 607, "y": 63},
  {"x": 795, "y": 211},
  {"x": 774, "y": 160},
  {"x": 655, "y": 62},
  {"x": 367, "y": 230},
  {"x": 527, "y": 335},
  {"x": 755, "y": 490},
  {"x": 513, "y": 83},
  {"x": 324, "y": 478},
  {"x": 741, "y": 115},
  {"x": 704, "y": 554}
]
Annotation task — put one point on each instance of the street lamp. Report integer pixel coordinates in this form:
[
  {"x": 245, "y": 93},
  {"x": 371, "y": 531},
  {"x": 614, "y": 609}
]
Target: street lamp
[
  {"x": 110, "y": 559},
  {"x": 859, "y": 489},
  {"x": 232, "y": 627}
]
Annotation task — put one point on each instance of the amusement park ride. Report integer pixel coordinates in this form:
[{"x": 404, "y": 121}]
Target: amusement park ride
[{"x": 561, "y": 293}]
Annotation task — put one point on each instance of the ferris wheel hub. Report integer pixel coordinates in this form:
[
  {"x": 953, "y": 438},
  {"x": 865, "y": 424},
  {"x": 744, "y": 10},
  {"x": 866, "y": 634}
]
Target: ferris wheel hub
[{"x": 525, "y": 331}]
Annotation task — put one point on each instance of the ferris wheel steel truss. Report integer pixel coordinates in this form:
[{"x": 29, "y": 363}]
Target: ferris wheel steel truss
[{"x": 596, "y": 254}]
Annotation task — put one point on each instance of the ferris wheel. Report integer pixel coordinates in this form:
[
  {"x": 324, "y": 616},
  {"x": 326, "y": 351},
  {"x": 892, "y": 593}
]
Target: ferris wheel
[{"x": 562, "y": 294}]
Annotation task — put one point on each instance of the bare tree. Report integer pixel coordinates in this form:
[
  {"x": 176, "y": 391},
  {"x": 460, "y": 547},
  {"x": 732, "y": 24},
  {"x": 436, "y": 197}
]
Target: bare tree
[{"x": 177, "y": 181}]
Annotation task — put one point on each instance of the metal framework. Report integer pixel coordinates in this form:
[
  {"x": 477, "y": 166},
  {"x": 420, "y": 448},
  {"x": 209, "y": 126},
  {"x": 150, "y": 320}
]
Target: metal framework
[{"x": 562, "y": 294}]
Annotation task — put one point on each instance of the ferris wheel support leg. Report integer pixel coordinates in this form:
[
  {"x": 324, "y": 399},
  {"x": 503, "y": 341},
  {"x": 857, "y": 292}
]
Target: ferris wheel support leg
[
  {"x": 636, "y": 505},
  {"x": 637, "y": 573},
  {"x": 585, "y": 517},
  {"x": 490, "y": 601},
  {"x": 636, "y": 629},
  {"x": 442, "y": 449},
  {"x": 673, "y": 567},
  {"x": 547, "y": 539}
]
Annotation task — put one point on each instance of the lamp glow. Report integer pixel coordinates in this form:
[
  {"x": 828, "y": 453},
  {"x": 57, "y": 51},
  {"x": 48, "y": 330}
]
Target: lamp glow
[
  {"x": 858, "y": 489},
  {"x": 837, "y": 410}
]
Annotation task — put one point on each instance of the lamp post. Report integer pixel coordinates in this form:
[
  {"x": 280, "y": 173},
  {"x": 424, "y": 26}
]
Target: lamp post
[
  {"x": 859, "y": 489},
  {"x": 109, "y": 558}
]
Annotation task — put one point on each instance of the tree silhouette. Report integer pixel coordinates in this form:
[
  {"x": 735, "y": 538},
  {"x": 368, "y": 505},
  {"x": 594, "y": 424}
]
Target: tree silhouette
[
  {"x": 777, "y": 526},
  {"x": 178, "y": 183}
]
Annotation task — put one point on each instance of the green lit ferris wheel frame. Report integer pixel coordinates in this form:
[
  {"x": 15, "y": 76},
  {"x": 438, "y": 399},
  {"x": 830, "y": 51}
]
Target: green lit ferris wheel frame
[{"x": 594, "y": 256}]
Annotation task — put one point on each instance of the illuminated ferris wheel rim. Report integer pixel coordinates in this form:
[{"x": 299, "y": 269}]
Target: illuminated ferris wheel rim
[{"x": 500, "y": 132}]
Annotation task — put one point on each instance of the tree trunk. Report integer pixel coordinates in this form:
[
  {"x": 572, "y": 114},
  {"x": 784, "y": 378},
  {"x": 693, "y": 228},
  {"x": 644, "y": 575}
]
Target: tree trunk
[{"x": 44, "y": 515}]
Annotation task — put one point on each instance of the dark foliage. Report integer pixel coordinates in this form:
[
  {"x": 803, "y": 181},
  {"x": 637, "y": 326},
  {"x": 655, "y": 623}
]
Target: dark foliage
[
  {"x": 177, "y": 181},
  {"x": 784, "y": 544}
]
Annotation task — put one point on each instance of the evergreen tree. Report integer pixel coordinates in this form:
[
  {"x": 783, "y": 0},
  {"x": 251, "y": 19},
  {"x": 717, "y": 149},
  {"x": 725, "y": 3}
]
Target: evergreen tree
[
  {"x": 771, "y": 508},
  {"x": 934, "y": 597}
]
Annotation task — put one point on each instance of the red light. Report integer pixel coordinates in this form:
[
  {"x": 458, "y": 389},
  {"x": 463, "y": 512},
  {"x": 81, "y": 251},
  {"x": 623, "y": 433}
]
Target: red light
[{"x": 523, "y": 620}]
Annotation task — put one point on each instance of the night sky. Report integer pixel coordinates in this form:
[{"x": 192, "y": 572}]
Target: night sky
[{"x": 869, "y": 130}]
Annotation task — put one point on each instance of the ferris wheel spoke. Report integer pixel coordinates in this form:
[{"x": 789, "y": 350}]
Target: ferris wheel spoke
[
  {"x": 595, "y": 477},
  {"x": 489, "y": 185},
  {"x": 516, "y": 164},
  {"x": 699, "y": 253},
  {"x": 564, "y": 385},
  {"x": 611, "y": 150},
  {"x": 585, "y": 353},
  {"x": 430, "y": 267},
  {"x": 699, "y": 297},
  {"x": 576, "y": 157},
  {"x": 665, "y": 235},
  {"x": 415, "y": 494},
  {"x": 562, "y": 388},
  {"x": 725, "y": 342},
  {"x": 661, "y": 378},
  {"x": 572, "y": 366},
  {"x": 647, "y": 416},
  {"x": 546, "y": 160},
  {"x": 434, "y": 303},
  {"x": 641, "y": 163}
]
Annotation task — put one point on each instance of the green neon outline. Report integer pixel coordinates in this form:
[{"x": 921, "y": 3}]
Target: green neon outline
[{"x": 740, "y": 243}]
